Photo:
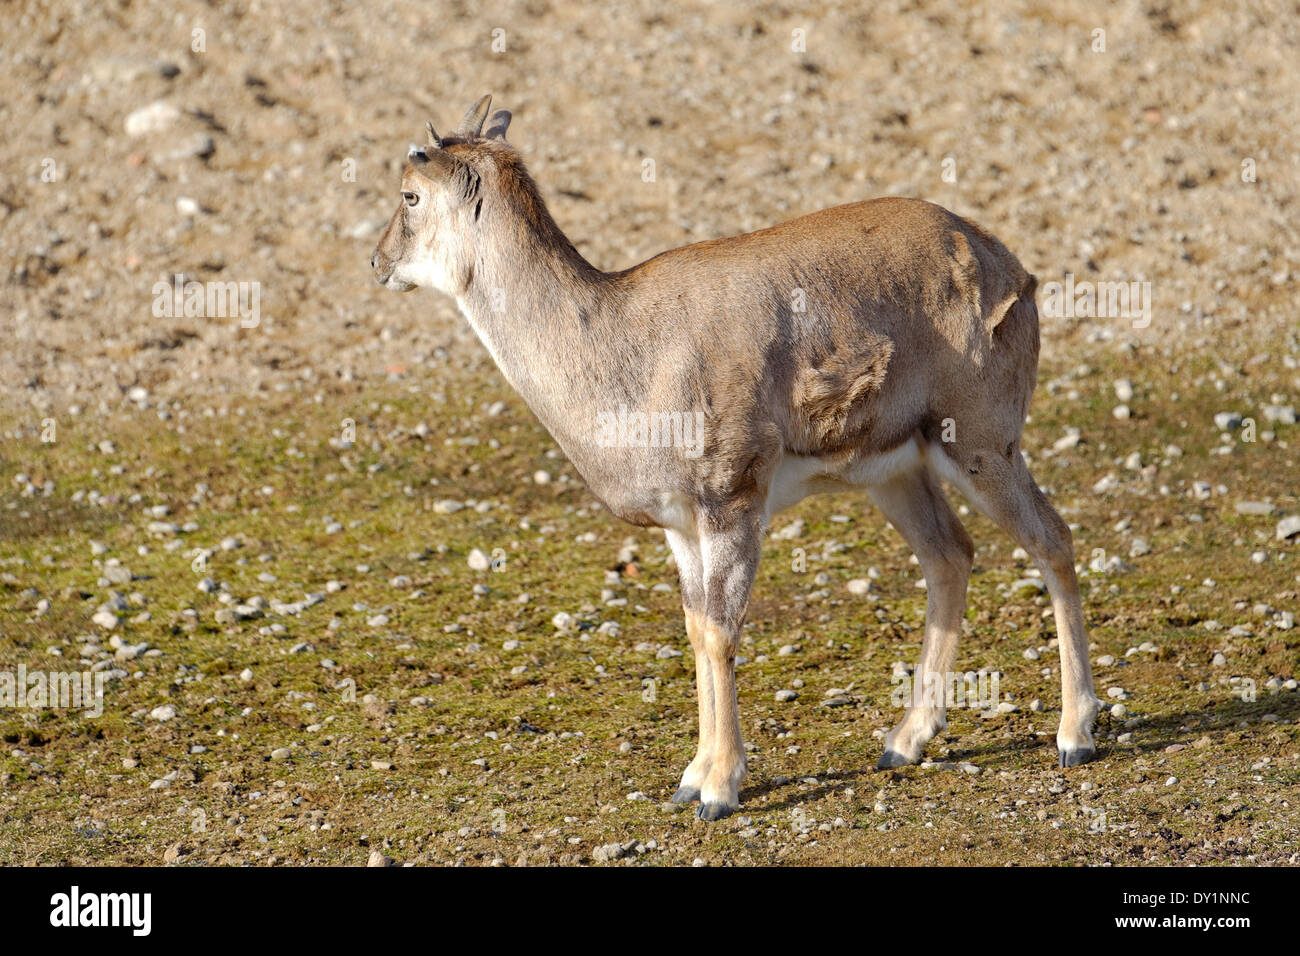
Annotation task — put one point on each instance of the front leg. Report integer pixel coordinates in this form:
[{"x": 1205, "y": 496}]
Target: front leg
[
  {"x": 690, "y": 572},
  {"x": 698, "y": 769},
  {"x": 720, "y": 794},
  {"x": 730, "y": 556}
]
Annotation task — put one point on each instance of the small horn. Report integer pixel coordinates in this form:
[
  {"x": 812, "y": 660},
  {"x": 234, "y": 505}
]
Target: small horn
[
  {"x": 497, "y": 125},
  {"x": 434, "y": 138},
  {"x": 472, "y": 125}
]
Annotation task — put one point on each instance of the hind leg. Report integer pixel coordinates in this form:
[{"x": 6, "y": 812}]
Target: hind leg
[
  {"x": 690, "y": 571},
  {"x": 915, "y": 505},
  {"x": 1001, "y": 487}
]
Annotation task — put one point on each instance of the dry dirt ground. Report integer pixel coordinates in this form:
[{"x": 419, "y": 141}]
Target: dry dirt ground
[{"x": 427, "y": 712}]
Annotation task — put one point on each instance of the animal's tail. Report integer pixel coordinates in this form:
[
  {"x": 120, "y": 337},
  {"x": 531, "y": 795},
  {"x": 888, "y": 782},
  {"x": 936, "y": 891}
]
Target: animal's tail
[
  {"x": 1018, "y": 327},
  {"x": 1016, "y": 337}
]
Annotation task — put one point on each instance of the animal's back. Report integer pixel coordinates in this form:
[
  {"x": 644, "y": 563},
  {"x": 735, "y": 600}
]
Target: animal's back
[{"x": 878, "y": 249}]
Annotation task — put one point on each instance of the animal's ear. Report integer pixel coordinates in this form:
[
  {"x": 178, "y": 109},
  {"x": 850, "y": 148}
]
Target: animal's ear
[
  {"x": 442, "y": 168},
  {"x": 472, "y": 125},
  {"x": 433, "y": 162},
  {"x": 497, "y": 124},
  {"x": 434, "y": 139}
]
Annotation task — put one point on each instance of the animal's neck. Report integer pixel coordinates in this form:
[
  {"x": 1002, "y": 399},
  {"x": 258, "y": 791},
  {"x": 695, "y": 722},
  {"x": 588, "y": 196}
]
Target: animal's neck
[{"x": 540, "y": 308}]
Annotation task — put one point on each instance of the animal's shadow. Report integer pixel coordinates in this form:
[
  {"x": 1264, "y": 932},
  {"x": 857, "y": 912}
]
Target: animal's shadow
[{"x": 1152, "y": 736}]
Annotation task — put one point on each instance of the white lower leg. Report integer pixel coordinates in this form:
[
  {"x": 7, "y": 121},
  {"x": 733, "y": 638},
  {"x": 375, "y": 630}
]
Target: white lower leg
[
  {"x": 698, "y": 769},
  {"x": 1079, "y": 703},
  {"x": 721, "y": 791}
]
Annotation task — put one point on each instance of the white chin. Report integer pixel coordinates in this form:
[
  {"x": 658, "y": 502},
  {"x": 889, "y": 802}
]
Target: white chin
[{"x": 398, "y": 285}]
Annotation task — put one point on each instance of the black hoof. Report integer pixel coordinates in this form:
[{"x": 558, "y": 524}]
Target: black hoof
[
  {"x": 685, "y": 795},
  {"x": 890, "y": 759},
  {"x": 1077, "y": 756},
  {"x": 713, "y": 811}
]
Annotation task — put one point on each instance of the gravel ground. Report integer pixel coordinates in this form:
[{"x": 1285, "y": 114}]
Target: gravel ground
[{"x": 422, "y": 643}]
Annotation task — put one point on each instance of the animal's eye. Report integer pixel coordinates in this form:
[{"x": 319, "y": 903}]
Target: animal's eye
[{"x": 410, "y": 198}]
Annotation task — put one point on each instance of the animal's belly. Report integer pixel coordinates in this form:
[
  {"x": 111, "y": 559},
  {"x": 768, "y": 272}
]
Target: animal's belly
[
  {"x": 798, "y": 476},
  {"x": 654, "y": 509},
  {"x": 795, "y": 478}
]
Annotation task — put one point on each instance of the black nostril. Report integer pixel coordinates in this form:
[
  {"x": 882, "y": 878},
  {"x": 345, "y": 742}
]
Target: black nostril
[{"x": 374, "y": 260}]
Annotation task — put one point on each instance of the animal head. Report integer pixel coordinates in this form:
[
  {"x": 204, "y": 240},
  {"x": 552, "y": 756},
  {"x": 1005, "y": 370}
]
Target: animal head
[{"x": 449, "y": 186}]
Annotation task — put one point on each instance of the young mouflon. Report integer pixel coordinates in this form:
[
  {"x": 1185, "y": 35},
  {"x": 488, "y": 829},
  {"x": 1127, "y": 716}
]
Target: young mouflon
[{"x": 887, "y": 345}]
